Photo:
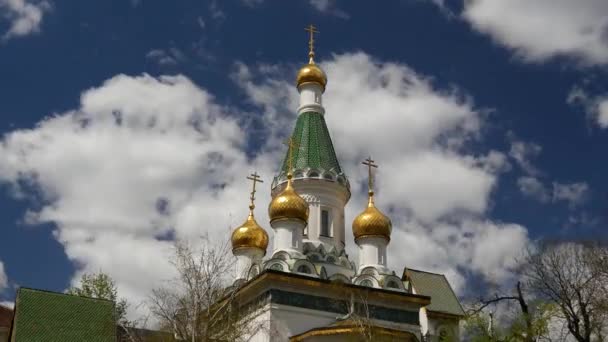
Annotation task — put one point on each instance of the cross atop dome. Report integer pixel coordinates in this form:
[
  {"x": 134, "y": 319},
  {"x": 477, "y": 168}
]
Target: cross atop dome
[{"x": 311, "y": 42}]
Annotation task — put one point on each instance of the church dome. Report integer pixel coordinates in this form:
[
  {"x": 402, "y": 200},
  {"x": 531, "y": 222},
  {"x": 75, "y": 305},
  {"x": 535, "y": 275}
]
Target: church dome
[
  {"x": 311, "y": 73},
  {"x": 372, "y": 222},
  {"x": 288, "y": 205},
  {"x": 250, "y": 234}
]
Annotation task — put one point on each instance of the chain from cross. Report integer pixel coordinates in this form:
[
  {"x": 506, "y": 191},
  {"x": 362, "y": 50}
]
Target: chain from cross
[
  {"x": 290, "y": 146},
  {"x": 311, "y": 29},
  {"x": 254, "y": 178},
  {"x": 369, "y": 162}
]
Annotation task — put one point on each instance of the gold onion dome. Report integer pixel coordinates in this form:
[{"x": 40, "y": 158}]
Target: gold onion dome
[
  {"x": 311, "y": 73},
  {"x": 250, "y": 234},
  {"x": 372, "y": 222},
  {"x": 288, "y": 205}
]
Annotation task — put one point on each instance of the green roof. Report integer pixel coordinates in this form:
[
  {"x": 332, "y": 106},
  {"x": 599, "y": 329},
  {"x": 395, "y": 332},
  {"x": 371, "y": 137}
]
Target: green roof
[
  {"x": 436, "y": 286},
  {"x": 314, "y": 147},
  {"x": 57, "y": 317}
]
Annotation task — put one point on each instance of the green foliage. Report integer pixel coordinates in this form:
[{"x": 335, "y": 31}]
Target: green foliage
[
  {"x": 100, "y": 285},
  {"x": 477, "y": 327}
]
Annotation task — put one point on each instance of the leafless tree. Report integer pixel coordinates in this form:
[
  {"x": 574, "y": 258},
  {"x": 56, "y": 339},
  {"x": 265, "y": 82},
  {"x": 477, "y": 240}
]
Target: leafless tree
[
  {"x": 198, "y": 305},
  {"x": 358, "y": 314},
  {"x": 567, "y": 274}
]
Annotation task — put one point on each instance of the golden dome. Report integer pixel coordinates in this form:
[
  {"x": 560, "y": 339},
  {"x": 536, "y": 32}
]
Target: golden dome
[
  {"x": 311, "y": 73},
  {"x": 288, "y": 205},
  {"x": 250, "y": 234},
  {"x": 372, "y": 222}
]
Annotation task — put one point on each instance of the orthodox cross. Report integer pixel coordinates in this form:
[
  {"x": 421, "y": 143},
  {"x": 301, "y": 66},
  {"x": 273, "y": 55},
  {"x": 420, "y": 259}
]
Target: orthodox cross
[
  {"x": 311, "y": 41},
  {"x": 370, "y": 178},
  {"x": 255, "y": 178},
  {"x": 290, "y": 146}
]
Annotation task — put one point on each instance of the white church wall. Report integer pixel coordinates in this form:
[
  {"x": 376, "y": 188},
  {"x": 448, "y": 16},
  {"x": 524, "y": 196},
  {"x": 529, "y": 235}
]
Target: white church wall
[{"x": 287, "y": 321}]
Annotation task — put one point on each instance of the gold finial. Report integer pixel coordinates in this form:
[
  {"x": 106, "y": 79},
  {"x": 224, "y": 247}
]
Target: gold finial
[
  {"x": 311, "y": 42},
  {"x": 255, "y": 178},
  {"x": 290, "y": 146},
  {"x": 369, "y": 162}
]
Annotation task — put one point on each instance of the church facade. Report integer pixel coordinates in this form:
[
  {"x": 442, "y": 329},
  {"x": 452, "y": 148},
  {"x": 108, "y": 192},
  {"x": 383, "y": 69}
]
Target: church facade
[{"x": 307, "y": 287}]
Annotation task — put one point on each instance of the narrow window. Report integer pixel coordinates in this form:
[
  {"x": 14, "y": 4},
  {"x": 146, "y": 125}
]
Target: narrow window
[{"x": 324, "y": 223}]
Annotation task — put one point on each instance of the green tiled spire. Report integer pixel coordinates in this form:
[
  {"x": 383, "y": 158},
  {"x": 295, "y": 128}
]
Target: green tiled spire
[{"x": 314, "y": 147}]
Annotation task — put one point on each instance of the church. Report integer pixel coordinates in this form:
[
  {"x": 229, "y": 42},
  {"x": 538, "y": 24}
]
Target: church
[{"x": 308, "y": 287}]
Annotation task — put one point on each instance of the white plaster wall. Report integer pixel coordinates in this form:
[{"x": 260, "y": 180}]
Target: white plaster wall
[
  {"x": 372, "y": 252},
  {"x": 245, "y": 257},
  {"x": 287, "y": 321},
  {"x": 287, "y": 236},
  {"x": 311, "y": 98}
]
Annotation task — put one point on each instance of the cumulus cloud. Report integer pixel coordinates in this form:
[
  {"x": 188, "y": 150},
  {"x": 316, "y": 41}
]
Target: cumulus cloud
[
  {"x": 542, "y": 29},
  {"x": 596, "y": 107},
  {"x": 24, "y": 16},
  {"x": 142, "y": 160}
]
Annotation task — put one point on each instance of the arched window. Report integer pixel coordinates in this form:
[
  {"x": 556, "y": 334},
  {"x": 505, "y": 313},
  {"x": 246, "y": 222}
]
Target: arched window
[
  {"x": 313, "y": 174},
  {"x": 330, "y": 259},
  {"x": 325, "y": 223},
  {"x": 367, "y": 283},
  {"x": 303, "y": 269}
]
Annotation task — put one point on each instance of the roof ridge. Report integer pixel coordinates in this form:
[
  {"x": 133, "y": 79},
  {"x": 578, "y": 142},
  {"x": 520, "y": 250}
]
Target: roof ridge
[
  {"x": 61, "y": 294},
  {"x": 422, "y": 271}
]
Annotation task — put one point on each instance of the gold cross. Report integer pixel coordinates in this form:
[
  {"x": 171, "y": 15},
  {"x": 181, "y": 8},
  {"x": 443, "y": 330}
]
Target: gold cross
[
  {"x": 255, "y": 178},
  {"x": 290, "y": 146},
  {"x": 311, "y": 41},
  {"x": 370, "y": 178}
]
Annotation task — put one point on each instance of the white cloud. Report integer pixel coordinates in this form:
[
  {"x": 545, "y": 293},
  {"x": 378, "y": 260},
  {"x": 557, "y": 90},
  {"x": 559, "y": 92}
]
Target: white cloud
[
  {"x": 542, "y": 29},
  {"x": 534, "y": 188},
  {"x": 329, "y": 7},
  {"x": 7, "y": 304},
  {"x": 3, "y": 278},
  {"x": 523, "y": 153},
  {"x": 596, "y": 107},
  {"x": 170, "y": 57},
  {"x": 143, "y": 158},
  {"x": 574, "y": 193},
  {"x": 24, "y": 16}
]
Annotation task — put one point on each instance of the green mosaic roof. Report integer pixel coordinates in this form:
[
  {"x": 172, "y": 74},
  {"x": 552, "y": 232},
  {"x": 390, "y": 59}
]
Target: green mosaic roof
[
  {"x": 56, "y": 317},
  {"x": 314, "y": 147},
  {"x": 443, "y": 298}
]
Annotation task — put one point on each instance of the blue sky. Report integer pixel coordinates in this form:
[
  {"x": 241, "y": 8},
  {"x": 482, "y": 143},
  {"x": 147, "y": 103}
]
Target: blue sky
[{"x": 527, "y": 141}]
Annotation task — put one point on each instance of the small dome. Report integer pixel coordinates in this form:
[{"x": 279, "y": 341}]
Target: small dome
[
  {"x": 311, "y": 73},
  {"x": 288, "y": 205},
  {"x": 372, "y": 222},
  {"x": 250, "y": 234}
]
